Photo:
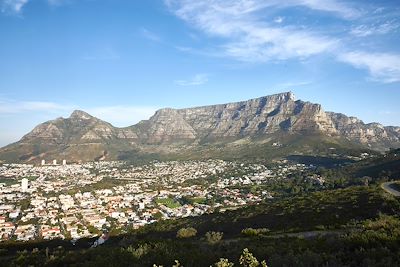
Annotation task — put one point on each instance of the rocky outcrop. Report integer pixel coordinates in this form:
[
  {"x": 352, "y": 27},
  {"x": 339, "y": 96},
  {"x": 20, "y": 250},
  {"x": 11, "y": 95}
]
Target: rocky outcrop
[
  {"x": 374, "y": 135},
  {"x": 264, "y": 116}
]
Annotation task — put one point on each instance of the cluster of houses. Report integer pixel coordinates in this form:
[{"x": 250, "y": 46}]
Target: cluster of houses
[{"x": 47, "y": 202}]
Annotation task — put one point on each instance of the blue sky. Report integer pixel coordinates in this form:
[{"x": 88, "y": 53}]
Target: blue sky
[{"x": 120, "y": 60}]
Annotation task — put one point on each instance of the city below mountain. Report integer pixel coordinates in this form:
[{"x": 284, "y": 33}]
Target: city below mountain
[
  {"x": 275, "y": 125},
  {"x": 271, "y": 181}
]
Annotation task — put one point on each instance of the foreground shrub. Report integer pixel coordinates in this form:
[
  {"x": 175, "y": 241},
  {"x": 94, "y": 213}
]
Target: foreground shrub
[
  {"x": 223, "y": 263},
  {"x": 214, "y": 237},
  {"x": 186, "y": 232},
  {"x": 255, "y": 232},
  {"x": 248, "y": 260}
]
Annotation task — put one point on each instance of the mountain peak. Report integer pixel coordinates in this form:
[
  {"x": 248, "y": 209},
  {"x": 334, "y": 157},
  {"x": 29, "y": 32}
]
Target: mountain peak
[
  {"x": 286, "y": 96},
  {"x": 79, "y": 114}
]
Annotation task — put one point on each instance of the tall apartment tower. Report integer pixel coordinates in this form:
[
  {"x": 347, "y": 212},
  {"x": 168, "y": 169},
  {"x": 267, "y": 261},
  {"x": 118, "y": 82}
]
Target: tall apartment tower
[
  {"x": 54, "y": 162},
  {"x": 64, "y": 162},
  {"x": 43, "y": 162},
  {"x": 24, "y": 184}
]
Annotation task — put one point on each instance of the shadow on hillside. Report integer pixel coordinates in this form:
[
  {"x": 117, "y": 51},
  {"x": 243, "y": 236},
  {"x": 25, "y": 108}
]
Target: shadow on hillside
[{"x": 320, "y": 161}]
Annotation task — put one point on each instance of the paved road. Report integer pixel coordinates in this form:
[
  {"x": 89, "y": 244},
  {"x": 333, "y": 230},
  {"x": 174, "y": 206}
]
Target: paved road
[{"x": 388, "y": 188}]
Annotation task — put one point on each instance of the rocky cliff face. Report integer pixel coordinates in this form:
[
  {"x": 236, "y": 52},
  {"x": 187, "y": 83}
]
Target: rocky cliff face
[
  {"x": 84, "y": 134},
  {"x": 373, "y": 135},
  {"x": 259, "y": 116}
]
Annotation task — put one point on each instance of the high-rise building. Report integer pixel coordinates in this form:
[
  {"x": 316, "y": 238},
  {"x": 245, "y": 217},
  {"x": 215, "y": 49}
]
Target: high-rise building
[
  {"x": 54, "y": 162},
  {"x": 43, "y": 162},
  {"x": 24, "y": 184},
  {"x": 64, "y": 162}
]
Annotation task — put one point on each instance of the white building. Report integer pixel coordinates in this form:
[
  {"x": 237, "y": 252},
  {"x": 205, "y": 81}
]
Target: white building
[
  {"x": 141, "y": 205},
  {"x": 64, "y": 162},
  {"x": 43, "y": 162},
  {"x": 24, "y": 184},
  {"x": 54, "y": 162}
]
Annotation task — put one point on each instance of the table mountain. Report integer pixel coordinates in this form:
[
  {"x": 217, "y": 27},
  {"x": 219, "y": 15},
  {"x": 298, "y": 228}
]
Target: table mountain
[{"x": 275, "y": 121}]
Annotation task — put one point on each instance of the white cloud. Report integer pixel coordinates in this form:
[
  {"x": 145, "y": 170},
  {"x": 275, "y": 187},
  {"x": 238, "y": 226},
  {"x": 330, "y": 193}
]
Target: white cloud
[
  {"x": 241, "y": 7},
  {"x": 279, "y": 19},
  {"x": 247, "y": 37},
  {"x": 383, "y": 67},
  {"x": 261, "y": 44},
  {"x": 367, "y": 30},
  {"x": 122, "y": 116},
  {"x": 244, "y": 32},
  {"x": 14, "y": 6},
  {"x": 14, "y": 107},
  {"x": 196, "y": 80},
  {"x": 334, "y": 6}
]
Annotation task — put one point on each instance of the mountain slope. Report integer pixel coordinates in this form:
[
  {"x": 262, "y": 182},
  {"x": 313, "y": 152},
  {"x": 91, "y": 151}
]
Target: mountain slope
[{"x": 267, "y": 123}]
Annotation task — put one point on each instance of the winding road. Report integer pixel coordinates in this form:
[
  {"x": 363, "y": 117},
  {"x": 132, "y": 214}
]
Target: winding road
[{"x": 388, "y": 188}]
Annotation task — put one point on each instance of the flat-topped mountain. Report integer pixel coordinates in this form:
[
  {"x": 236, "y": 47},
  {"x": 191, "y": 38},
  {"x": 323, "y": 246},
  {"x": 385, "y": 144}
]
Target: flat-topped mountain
[{"x": 271, "y": 122}]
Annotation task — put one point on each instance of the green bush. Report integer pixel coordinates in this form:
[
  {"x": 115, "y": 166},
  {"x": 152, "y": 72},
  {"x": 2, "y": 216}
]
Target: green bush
[
  {"x": 248, "y": 260},
  {"x": 139, "y": 252},
  {"x": 255, "y": 232},
  {"x": 186, "y": 232},
  {"x": 214, "y": 237},
  {"x": 223, "y": 263}
]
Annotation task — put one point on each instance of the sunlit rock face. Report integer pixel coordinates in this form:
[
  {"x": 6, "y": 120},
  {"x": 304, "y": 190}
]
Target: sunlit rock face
[{"x": 82, "y": 136}]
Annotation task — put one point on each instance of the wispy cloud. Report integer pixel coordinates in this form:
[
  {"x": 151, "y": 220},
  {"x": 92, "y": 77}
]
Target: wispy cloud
[
  {"x": 15, "y": 107},
  {"x": 248, "y": 38},
  {"x": 16, "y": 6},
  {"x": 375, "y": 29},
  {"x": 249, "y": 6},
  {"x": 12, "y": 6},
  {"x": 196, "y": 80},
  {"x": 150, "y": 35},
  {"x": 250, "y": 31},
  {"x": 383, "y": 67},
  {"x": 334, "y": 6}
]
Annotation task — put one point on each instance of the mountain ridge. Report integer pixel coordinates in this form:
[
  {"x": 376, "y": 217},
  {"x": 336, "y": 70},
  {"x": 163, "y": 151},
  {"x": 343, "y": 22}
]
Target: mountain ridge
[{"x": 85, "y": 137}]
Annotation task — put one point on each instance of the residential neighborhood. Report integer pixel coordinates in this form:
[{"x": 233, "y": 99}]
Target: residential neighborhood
[{"x": 72, "y": 201}]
